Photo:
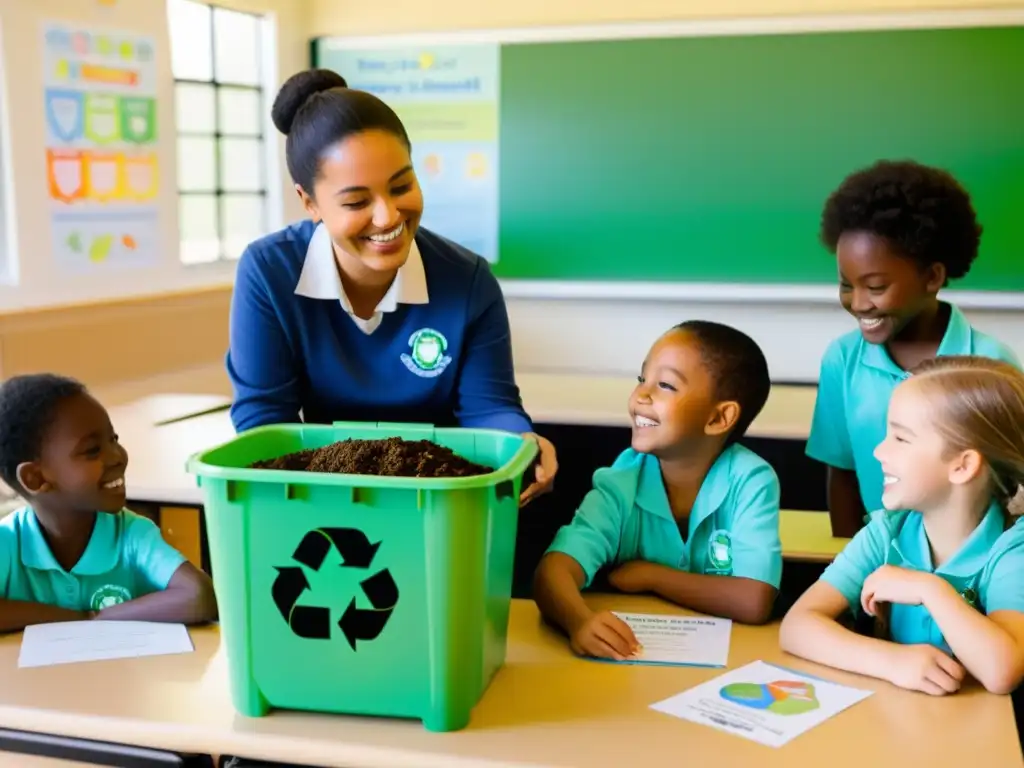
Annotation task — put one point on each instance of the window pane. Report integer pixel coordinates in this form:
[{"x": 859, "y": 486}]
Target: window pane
[
  {"x": 243, "y": 220},
  {"x": 241, "y": 162},
  {"x": 191, "y": 42},
  {"x": 198, "y": 224},
  {"x": 239, "y": 111},
  {"x": 236, "y": 47},
  {"x": 195, "y": 108},
  {"x": 197, "y": 164}
]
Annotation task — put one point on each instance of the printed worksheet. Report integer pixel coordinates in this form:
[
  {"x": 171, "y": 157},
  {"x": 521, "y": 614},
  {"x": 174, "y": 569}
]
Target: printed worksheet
[
  {"x": 66, "y": 642},
  {"x": 763, "y": 703},
  {"x": 686, "y": 640}
]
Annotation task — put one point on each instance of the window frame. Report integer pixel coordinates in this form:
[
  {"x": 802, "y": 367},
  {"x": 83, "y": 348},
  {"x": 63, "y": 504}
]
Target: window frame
[{"x": 260, "y": 136}]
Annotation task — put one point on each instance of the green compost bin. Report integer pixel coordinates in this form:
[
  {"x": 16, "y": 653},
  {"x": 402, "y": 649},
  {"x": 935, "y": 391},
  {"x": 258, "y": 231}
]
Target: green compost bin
[{"x": 358, "y": 594}]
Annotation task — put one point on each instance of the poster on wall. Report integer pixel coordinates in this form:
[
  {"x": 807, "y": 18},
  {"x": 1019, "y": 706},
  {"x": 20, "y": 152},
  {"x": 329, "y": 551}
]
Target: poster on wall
[
  {"x": 447, "y": 97},
  {"x": 101, "y": 147}
]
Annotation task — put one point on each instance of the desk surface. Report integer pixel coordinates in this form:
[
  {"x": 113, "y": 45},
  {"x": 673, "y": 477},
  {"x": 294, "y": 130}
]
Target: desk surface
[
  {"x": 544, "y": 708},
  {"x": 157, "y": 454},
  {"x": 156, "y": 473},
  {"x": 807, "y": 537},
  {"x": 156, "y": 470},
  {"x": 160, "y": 409},
  {"x": 601, "y": 401},
  {"x": 552, "y": 398}
]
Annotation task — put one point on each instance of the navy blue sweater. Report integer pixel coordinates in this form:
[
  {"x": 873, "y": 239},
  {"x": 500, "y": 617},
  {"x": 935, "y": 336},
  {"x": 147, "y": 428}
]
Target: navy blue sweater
[{"x": 447, "y": 362}]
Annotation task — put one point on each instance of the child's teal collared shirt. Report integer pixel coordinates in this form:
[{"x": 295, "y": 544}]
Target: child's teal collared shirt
[
  {"x": 987, "y": 571},
  {"x": 854, "y": 387},
  {"x": 126, "y": 558},
  {"x": 733, "y": 527}
]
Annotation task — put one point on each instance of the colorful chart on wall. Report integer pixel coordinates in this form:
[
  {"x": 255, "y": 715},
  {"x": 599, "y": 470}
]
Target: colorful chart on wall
[
  {"x": 101, "y": 152},
  {"x": 447, "y": 97}
]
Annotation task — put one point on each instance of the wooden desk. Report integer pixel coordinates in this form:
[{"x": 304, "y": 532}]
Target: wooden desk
[
  {"x": 549, "y": 398},
  {"x": 205, "y": 380},
  {"x": 601, "y": 401},
  {"x": 157, "y": 455},
  {"x": 161, "y": 409},
  {"x": 157, "y": 481},
  {"x": 544, "y": 708},
  {"x": 807, "y": 537},
  {"x": 156, "y": 471},
  {"x": 156, "y": 475}
]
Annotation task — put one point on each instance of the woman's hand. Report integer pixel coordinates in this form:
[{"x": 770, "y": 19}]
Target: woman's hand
[{"x": 545, "y": 471}]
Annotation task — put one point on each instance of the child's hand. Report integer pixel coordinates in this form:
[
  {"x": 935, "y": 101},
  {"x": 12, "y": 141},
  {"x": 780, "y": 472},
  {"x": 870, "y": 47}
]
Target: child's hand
[
  {"x": 891, "y": 584},
  {"x": 925, "y": 668},
  {"x": 633, "y": 576},
  {"x": 605, "y": 636}
]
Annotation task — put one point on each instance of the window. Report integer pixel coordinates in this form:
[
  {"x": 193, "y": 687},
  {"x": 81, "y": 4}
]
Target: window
[{"x": 218, "y": 60}]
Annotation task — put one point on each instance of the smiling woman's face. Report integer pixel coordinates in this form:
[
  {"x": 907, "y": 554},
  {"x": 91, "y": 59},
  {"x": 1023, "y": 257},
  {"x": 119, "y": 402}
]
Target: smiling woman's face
[{"x": 368, "y": 198}]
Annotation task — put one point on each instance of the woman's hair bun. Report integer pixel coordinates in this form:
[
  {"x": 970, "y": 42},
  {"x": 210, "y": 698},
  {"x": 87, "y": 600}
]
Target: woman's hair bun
[{"x": 297, "y": 90}]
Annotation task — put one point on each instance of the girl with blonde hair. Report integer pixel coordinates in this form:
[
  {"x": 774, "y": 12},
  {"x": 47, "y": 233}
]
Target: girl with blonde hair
[{"x": 942, "y": 566}]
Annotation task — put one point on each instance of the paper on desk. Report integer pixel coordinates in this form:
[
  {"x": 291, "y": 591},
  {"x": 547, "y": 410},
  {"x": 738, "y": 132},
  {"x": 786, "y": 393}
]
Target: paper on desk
[
  {"x": 762, "y": 702},
  {"x": 687, "y": 640},
  {"x": 67, "y": 642}
]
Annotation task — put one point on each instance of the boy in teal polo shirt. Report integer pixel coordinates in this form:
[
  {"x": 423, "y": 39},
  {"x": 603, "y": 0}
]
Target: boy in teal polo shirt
[
  {"x": 946, "y": 580},
  {"x": 900, "y": 231},
  {"x": 686, "y": 512},
  {"x": 75, "y": 553}
]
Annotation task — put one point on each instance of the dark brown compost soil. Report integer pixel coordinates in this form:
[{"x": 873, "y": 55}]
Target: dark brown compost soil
[{"x": 393, "y": 457}]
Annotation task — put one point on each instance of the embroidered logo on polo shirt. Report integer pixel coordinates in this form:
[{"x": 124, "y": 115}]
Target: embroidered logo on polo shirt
[
  {"x": 428, "y": 358},
  {"x": 108, "y": 595},
  {"x": 970, "y": 596},
  {"x": 720, "y": 551}
]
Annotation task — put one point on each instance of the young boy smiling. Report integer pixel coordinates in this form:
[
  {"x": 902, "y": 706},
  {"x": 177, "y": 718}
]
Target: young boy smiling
[
  {"x": 76, "y": 553},
  {"x": 686, "y": 513}
]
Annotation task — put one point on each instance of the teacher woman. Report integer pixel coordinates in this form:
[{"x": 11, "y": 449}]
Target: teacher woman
[{"x": 358, "y": 314}]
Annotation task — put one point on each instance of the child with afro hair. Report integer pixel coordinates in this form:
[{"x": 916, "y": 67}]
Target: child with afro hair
[{"x": 900, "y": 231}]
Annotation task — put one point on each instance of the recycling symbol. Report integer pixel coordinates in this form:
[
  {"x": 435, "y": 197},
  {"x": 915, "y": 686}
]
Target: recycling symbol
[{"x": 314, "y": 622}]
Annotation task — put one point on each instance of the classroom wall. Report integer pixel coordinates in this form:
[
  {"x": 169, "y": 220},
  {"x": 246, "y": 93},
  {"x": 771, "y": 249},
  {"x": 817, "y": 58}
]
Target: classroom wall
[
  {"x": 348, "y": 17},
  {"x": 612, "y": 336},
  {"x": 103, "y": 325},
  {"x": 167, "y": 320}
]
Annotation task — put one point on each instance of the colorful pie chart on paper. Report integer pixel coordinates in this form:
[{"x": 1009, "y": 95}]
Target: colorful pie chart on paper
[{"x": 783, "y": 697}]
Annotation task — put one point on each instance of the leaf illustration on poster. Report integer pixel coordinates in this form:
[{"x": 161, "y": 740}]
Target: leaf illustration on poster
[{"x": 101, "y": 135}]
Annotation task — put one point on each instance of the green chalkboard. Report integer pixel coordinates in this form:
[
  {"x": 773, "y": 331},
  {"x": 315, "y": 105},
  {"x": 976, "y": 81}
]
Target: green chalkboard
[{"x": 709, "y": 158}]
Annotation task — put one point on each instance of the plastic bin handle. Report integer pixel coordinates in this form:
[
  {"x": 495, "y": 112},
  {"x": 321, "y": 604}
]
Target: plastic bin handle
[{"x": 409, "y": 430}]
